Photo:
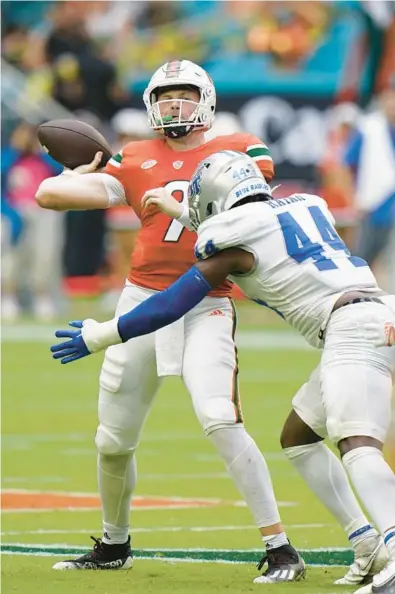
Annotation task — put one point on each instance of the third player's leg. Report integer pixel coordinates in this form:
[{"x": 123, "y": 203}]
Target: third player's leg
[
  {"x": 302, "y": 442},
  {"x": 356, "y": 389}
]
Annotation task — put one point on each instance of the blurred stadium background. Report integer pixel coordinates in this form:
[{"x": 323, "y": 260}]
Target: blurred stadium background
[
  {"x": 305, "y": 77},
  {"x": 301, "y": 75}
]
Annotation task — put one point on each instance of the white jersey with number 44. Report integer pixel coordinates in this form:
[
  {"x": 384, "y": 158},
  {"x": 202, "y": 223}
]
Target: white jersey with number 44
[{"x": 301, "y": 264}]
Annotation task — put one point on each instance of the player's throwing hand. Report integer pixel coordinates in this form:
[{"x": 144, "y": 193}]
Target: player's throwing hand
[{"x": 88, "y": 168}]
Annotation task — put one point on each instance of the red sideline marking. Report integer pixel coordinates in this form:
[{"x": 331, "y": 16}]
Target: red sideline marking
[{"x": 14, "y": 499}]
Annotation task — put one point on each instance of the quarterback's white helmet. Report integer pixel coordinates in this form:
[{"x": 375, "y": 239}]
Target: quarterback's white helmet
[
  {"x": 182, "y": 73},
  {"x": 220, "y": 181}
]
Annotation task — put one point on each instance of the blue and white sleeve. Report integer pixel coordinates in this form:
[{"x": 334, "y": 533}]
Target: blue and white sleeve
[{"x": 166, "y": 307}]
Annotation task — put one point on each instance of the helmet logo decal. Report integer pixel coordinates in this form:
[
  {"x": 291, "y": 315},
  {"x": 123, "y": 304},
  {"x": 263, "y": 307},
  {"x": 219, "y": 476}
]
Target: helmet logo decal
[
  {"x": 194, "y": 185},
  {"x": 172, "y": 69}
]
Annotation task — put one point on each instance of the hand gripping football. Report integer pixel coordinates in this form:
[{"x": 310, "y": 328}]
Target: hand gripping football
[{"x": 73, "y": 143}]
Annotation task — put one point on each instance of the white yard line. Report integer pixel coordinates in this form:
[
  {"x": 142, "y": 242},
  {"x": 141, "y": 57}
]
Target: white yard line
[
  {"x": 150, "y": 508},
  {"x": 22, "y": 480},
  {"x": 165, "y": 477}
]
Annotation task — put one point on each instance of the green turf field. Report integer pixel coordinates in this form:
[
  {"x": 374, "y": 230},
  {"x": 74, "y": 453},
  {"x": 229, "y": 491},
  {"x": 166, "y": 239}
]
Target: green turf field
[{"x": 49, "y": 420}]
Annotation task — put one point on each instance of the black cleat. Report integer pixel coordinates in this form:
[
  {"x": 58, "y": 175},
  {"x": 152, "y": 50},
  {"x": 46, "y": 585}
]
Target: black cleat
[
  {"x": 103, "y": 556},
  {"x": 284, "y": 564}
]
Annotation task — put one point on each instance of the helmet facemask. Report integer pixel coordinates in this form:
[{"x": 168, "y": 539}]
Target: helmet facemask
[
  {"x": 177, "y": 125},
  {"x": 192, "y": 114}
]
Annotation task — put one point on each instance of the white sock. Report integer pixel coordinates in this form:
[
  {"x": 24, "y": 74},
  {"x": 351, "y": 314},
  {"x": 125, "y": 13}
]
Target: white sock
[
  {"x": 324, "y": 474},
  {"x": 117, "y": 476},
  {"x": 247, "y": 467},
  {"x": 374, "y": 482},
  {"x": 275, "y": 540},
  {"x": 362, "y": 536},
  {"x": 389, "y": 540}
]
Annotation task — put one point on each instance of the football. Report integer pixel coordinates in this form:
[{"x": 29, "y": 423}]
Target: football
[{"x": 73, "y": 143}]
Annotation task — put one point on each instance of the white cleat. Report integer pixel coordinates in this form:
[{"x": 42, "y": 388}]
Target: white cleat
[
  {"x": 366, "y": 566},
  {"x": 383, "y": 582}
]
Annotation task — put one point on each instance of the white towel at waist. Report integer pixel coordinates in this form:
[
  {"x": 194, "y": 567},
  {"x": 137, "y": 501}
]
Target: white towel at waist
[{"x": 169, "y": 348}]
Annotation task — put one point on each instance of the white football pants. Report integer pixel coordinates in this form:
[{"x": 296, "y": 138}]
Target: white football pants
[
  {"x": 349, "y": 393},
  {"x": 129, "y": 379}
]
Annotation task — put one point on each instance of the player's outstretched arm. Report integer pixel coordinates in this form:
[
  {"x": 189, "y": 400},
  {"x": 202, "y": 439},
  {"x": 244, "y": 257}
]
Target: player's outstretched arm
[
  {"x": 80, "y": 189},
  {"x": 159, "y": 310}
]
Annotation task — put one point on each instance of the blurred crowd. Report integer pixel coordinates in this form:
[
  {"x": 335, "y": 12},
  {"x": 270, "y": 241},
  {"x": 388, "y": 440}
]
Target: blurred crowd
[
  {"x": 71, "y": 49},
  {"x": 84, "y": 55},
  {"x": 139, "y": 35},
  {"x": 356, "y": 176},
  {"x": 61, "y": 57}
]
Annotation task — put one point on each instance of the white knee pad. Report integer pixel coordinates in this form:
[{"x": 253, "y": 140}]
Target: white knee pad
[
  {"x": 212, "y": 425},
  {"x": 216, "y": 413},
  {"x": 111, "y": 443}
]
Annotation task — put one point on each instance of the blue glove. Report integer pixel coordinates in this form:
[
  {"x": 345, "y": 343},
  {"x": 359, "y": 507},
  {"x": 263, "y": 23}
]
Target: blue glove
[{"x": 73, "y": 349}]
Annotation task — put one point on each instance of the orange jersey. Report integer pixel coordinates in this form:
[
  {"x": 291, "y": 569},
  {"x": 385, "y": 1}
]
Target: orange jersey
[{"x": 164, "y": 249}]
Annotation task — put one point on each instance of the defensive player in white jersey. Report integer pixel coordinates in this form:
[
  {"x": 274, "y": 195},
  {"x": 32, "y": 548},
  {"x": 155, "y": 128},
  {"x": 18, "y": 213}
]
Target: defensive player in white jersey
[{"x": 286, "y": 254}]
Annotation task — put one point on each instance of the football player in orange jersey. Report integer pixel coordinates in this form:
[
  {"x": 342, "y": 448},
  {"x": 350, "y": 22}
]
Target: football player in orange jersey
[{"x": 180, "y": 101}]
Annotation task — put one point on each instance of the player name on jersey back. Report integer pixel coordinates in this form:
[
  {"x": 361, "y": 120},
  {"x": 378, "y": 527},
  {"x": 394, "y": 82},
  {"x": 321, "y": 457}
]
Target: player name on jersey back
[{"x": 301, "y": 264}]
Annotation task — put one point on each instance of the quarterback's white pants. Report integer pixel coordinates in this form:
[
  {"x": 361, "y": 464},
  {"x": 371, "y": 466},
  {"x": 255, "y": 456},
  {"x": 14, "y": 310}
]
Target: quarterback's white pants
[
  {"x": 129, "y": 378},
  {"x": 349, "y": 393}
]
